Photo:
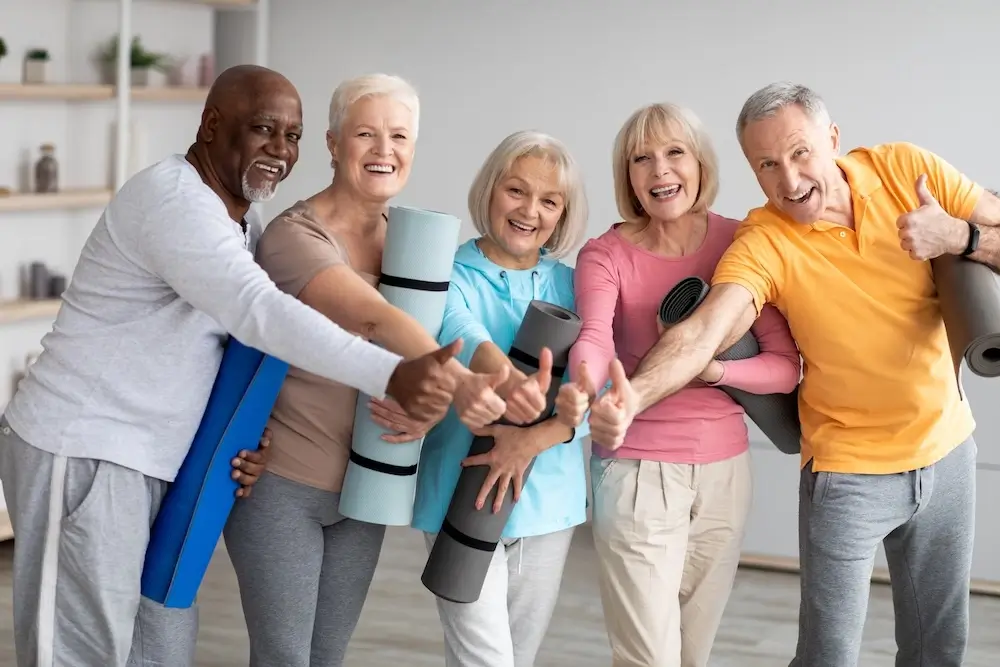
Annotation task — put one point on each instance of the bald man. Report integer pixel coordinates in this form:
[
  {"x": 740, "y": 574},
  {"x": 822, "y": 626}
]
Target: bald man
[{"x": 102, "y": 422}]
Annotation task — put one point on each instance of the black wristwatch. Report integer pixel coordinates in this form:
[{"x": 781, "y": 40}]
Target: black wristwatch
[{"x": 973, "y": 240}]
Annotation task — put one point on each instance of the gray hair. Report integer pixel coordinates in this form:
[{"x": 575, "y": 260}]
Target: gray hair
[
  {"x": 352, "y": 90},
  {"x": 772, "y": 98},
  {"x": 570, "y": 230}
]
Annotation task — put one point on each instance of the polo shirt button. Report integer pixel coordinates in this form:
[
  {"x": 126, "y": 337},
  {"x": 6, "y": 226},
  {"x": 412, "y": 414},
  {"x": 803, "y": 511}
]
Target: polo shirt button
[
  {"x": 843, "y": 234},
  {"x": 6, "y": 430}
]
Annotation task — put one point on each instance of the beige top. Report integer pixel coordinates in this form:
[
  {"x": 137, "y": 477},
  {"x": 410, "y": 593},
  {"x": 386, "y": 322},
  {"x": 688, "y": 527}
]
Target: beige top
[{"x": 313, "y": 418}]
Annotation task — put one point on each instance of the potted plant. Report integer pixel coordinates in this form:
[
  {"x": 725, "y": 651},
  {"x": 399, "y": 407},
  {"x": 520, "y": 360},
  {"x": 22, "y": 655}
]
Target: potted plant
[
  {"x": 3, "y": 48},
  {"x": 143, "y": 64},
  {"x": 35, "y": 65}
]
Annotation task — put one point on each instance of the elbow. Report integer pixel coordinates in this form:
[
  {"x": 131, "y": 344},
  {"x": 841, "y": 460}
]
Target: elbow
[{"x": 791, "y": 372}]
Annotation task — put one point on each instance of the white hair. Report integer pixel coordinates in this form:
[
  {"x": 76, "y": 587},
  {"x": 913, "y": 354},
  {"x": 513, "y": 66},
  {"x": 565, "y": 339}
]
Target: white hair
[
  {"x": 352, "y": 90},
  {"x": 772, "y": 98},
  {"x": 573, "y": 224}
]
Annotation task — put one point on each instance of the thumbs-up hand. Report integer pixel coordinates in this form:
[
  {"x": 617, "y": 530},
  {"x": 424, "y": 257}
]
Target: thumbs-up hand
[
  {"x": 575, "y": 397},
  {"x": 928, "y": 231},
  {"x": 612, "y": 413},
  {"x": 424, "y": 387},
  {"x": 526, "y": 395},
  {"x": 477, "y": 402}
]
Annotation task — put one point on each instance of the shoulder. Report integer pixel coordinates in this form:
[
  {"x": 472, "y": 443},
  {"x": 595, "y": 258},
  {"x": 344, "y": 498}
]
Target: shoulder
[
  {"x": 169, "y": 186},
  {"x": 296, "y": 225},
  {"x": 604, "y": 247}
]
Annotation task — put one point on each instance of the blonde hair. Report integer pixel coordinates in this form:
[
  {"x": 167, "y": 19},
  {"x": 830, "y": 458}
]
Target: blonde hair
[
  {"x": 352, "y": 90},
  {"x": 653, "y": 125},
  {"x": 571, "y": 226}
]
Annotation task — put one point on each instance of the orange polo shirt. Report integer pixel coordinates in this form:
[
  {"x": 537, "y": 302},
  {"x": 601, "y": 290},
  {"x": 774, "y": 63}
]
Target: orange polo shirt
[{"x": 879, "y": 393}]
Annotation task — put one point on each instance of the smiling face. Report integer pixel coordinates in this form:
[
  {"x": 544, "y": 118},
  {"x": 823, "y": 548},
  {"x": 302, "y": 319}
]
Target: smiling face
[
  {"x": 260, "y": 142},
  {"x": 525, "y": 208},
  {"x": 665, "y": 175},
  {"x": 794, "y": 159},
  {"x": 375, "y": 148}
]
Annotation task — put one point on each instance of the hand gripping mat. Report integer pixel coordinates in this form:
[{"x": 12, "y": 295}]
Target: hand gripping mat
[
  {"x": 969, "y": 295},
  {"x": 197, "y": 504},
  {"x": 381, "y": 477},
  {"x": 458, "y": 562},
  {"x": 777, "y": 415}
]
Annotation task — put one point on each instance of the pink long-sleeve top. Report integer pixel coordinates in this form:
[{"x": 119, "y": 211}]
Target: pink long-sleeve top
[{"x": 619, "y": 287}]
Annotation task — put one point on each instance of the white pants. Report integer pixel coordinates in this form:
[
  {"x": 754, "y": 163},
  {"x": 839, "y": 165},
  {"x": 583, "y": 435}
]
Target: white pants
[{"x": 506, "y": 625}]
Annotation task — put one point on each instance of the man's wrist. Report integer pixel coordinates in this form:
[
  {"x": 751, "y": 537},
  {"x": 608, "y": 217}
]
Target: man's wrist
[{"x": 962, "y": 236}]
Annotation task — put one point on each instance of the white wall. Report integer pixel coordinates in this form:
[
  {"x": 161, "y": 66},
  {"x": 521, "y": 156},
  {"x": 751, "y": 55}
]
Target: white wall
[{"x": 577, "y": 69}]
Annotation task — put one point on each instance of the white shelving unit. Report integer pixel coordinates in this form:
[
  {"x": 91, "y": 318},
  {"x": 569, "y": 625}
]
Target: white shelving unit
[{"x": 239, "y": 34}]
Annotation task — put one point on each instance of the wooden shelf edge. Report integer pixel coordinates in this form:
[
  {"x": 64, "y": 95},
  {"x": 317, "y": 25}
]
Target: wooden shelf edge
[
  {"x": 880, "y": 575},
  {"x": 24, "y": 310},
  {"x": 64, "y": 200},
  {"x": 6, "y": 530},
  {"x": 80, "y": 92}
]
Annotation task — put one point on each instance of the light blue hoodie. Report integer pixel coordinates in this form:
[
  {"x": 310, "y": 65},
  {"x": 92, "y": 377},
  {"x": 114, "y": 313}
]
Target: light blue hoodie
[{"x": 487, "y": 302}]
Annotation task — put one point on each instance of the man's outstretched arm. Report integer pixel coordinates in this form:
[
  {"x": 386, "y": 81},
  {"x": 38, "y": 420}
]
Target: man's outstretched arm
[{"x": 685, "y": 349}]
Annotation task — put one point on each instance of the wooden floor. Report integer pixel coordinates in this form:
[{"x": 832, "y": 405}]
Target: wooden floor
[{"x": 399, "y": 625}]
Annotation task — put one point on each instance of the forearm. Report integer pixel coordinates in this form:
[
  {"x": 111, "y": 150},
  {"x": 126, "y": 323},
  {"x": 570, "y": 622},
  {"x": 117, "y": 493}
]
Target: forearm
[
  {"x": 988, "y": 252},
  {"x": 766, "y": 373},
  {"x": 545, "y": 435},
  {"x": 677, "y": 358},
  {"x": 281, "y": 326}
]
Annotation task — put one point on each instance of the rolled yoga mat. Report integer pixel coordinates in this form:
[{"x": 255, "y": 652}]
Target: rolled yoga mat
[
  {"x": 969, "y": 295},
  {"x": 197, "y": 504},
  {"x": 777, "y": 415},
  {"x": 381, "y": 477},
  {"x": 463, "y": 549}
]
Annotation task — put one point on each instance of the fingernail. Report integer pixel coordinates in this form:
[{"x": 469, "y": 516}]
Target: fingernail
[{"x": 236, "y": 463}]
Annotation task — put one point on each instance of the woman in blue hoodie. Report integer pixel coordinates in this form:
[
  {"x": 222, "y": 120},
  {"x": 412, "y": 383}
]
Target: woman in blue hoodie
[{"x": 529, "y": 207}]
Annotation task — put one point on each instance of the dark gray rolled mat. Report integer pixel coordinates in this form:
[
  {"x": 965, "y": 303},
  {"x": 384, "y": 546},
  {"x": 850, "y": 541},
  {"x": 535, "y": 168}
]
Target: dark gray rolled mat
[
  {"x": 777, "y": 415},
  {"x": 457, "y": 565},
  {"x": 970, "y": 306}
]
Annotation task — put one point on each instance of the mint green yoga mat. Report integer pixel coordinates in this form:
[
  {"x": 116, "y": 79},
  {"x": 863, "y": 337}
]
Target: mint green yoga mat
[{"x": 381, "y": 478}]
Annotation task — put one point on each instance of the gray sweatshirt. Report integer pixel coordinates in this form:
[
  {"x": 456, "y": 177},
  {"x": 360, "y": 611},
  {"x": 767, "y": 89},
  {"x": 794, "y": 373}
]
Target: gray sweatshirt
[{"x": 163, "y": 279}]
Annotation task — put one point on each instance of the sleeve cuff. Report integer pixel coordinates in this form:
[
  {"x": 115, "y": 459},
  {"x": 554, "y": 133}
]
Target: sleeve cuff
[{"x": 378, "y": 371}]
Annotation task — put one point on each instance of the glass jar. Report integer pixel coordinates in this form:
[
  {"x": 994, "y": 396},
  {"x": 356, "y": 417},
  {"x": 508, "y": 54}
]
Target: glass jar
[{"x": 47, "y": 170}]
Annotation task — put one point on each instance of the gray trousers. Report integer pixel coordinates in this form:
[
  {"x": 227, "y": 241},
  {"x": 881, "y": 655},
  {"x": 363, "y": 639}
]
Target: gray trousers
[
  {"x": 925, "y": 519},
  {"x": 304, "y": 572},
  {"x": 82, "y": 527}
]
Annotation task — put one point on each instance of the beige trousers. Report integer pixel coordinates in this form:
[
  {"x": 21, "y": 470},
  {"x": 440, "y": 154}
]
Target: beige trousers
[{"x": 668, "y": 540}]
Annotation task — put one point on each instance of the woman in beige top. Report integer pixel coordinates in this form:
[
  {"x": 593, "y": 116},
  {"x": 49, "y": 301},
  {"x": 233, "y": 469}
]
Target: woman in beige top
[{"x": 303, "y": 569}]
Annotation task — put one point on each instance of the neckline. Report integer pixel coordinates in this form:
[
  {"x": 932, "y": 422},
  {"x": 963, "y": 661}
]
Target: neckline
[{"x": 709, "y": 227}]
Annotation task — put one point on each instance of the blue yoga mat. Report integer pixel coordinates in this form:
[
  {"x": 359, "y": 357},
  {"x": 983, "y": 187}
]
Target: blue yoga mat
[
  {"x": 381, "y": 477},
  {"x": 197, "y": 504}
]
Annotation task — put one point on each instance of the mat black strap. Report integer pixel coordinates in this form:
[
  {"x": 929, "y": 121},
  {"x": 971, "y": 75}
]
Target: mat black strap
[
  {"x": 528, "y": 360},
  {"x": 379, "y": 466},
  {"x": 454, "y": 533},
  {"x": 412, "y": 283}
]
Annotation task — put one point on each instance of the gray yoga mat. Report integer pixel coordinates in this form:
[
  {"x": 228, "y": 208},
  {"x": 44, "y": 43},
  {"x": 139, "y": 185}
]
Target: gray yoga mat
[
  {"x": 777, "y": 415},
  {"x": 381, "y": 477},
  {"x": 969, "y": 295},
  {"x": 463, "y": 549}
]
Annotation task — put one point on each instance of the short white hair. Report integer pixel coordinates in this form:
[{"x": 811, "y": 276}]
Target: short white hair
[
  {"x": 772, "y": 98},
  {"x": 528, "y": 143},
  {"x": 352, "y": 90}
]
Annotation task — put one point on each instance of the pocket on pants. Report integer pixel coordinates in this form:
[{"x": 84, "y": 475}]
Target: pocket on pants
[
  {"x": 81, "y": 494},
  {"x": 816, "y": 485},
  {"x": 600, "y": 468}
]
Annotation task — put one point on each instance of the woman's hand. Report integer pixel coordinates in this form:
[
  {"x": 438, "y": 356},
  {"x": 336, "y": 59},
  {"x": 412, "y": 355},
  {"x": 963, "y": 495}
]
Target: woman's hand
[
  {"x": 389, "y": 415},
  {"x": 526, "y": 395},
  {"x": 712, "y": 373},
  {"x": 511, "y": 455},
  {"x": 249, "y": 465}
]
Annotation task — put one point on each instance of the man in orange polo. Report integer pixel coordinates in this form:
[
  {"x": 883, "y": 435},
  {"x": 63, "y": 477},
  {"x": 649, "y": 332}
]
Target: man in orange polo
[{"x": 841, "y": 249}]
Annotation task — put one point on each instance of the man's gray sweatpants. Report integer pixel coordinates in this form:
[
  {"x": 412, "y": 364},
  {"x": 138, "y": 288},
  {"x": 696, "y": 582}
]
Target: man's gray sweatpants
[
  {"x": 81, "y": 529},
  {"x": 925, "y": 518}
]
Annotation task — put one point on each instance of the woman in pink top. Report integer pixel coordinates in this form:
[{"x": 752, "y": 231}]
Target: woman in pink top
[{"x": 670, "y": 504}]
